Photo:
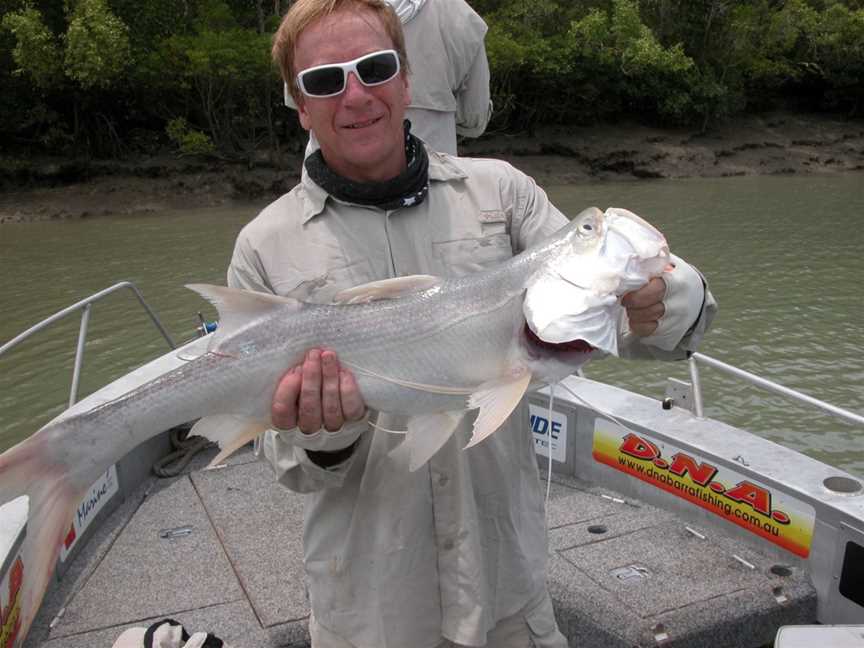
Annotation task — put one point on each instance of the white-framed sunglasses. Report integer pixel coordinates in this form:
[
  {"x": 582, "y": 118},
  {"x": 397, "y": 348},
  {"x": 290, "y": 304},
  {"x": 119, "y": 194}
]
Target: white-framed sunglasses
[{"x": 331, "y": 79}]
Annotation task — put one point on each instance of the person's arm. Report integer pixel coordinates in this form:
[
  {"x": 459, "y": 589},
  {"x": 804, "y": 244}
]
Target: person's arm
[
  {"x": 667, "y": 318},
  {"x": 315, "y": 434},
  {"x": 669, "y": 321},
  {"x": 474, "y": 105}
]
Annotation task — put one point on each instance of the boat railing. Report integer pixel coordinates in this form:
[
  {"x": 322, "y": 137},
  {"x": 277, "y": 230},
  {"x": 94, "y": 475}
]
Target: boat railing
[
  {"x": 758, "y": 381},
  {"x": 85, "y": 305}
]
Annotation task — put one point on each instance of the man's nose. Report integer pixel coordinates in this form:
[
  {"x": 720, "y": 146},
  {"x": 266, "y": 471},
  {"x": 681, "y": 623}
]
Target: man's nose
[{"x": 354, "y": 90}]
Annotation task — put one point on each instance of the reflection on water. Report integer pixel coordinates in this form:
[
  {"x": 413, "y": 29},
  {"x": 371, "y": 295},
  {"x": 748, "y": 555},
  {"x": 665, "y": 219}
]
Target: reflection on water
[{"x": 783, "y": 256}]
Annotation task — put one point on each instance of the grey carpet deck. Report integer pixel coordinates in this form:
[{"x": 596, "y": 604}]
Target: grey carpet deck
[{"x": 621, "y": 574}]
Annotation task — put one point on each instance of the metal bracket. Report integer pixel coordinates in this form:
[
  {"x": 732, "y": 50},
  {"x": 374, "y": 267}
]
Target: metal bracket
[
  {"x": 661, "y": 634},
  {"x": 630, "y": 573},
  {"x": 680, "y": 394}
]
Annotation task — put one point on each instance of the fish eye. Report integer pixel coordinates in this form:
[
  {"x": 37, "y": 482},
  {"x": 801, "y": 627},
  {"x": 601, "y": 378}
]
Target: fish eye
[{"x": 587, "y": 226}]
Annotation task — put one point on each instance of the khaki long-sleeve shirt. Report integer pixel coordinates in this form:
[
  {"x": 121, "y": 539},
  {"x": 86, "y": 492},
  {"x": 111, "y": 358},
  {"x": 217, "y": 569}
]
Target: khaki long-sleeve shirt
[
  {"x": 449, "y": 73},
  {"x": 396, "y": 559}
]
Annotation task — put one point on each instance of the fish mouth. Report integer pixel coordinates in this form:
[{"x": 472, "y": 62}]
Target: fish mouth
[{"x": 572, "y": 346}]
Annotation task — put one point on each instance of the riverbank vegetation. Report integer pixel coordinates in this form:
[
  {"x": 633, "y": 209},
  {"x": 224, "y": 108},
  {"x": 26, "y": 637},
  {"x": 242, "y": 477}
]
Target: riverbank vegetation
[{"x": 118, "y": 78}]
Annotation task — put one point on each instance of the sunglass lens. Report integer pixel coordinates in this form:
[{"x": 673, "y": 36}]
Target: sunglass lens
[
  {"x": 378, "y": 69},
  {"x": 325, "y": 81}
]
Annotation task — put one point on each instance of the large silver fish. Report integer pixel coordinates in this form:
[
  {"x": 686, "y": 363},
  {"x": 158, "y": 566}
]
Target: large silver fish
[{"x": 420, "y": 346}]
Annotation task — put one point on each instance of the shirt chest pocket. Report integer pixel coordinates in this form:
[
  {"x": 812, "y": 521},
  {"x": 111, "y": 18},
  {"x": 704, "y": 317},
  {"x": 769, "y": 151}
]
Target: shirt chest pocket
[
  {"x": 320, "y": 287},
  {"x": 475, "y": 244}
]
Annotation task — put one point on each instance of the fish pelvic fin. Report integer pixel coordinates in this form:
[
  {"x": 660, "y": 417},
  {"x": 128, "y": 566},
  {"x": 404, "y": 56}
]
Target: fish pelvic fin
[
  {"x": 52, "y": 500},
  {"x": 426, "y": 434},
  {"x": 386, "y": 289},
  {"x": 230, "y": 433},
  {"x": 497, "y": 399},
  {"x": 237, "y": 307}
]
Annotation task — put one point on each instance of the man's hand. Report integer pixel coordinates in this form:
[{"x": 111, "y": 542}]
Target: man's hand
[
  {"x": 317, "y": 393},
  {"x": 645, "y": 307}
]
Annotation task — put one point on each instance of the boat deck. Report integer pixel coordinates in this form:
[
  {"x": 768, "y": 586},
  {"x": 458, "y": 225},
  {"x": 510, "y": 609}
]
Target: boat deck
[{"x": 621, "y": 573}]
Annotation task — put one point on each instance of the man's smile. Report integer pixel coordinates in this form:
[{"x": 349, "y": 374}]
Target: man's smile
[{"x": 363, "y": 124}]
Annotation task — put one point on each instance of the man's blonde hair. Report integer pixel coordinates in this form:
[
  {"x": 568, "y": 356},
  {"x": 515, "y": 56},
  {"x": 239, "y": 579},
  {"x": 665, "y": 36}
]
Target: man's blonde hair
[{"x": 304, "y": 12}]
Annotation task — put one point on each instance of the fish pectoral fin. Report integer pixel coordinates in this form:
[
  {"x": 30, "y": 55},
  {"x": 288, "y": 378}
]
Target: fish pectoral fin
[
  {"x": 386, "y": 289},
  {"x": 230, "y": 433},
  {"x": 426, "y": 434},
  {"x": 496, "y": 399}
]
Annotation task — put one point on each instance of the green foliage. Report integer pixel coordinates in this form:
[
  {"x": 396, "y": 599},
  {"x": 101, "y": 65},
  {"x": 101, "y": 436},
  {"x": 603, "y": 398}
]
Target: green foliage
[
  {"x": 35, "y": 52},
  {"x": 605, "y": 63},
  {"x": 97, "y": 45},
  {"x": 645, "y": 76},
  {"x": 96, "y": 76},
  {"x": 226, "y": 72},
  {"x": 838, "y": 41},
  {"x": 188, "y": 140}
]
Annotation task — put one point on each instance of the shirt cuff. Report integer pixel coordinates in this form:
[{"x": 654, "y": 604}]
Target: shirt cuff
[{"x": 324, "y": 440}]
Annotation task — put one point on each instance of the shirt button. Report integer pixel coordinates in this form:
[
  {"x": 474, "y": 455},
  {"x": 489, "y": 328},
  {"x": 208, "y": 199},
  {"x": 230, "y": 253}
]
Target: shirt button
[
  {"x": 443, "y": 480},
  {"x": 448, "y": 545}
]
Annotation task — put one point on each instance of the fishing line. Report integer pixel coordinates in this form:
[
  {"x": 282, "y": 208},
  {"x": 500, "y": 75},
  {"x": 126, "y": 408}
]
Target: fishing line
[
  {"x": 549, "y": 456},
  {"x": 434, "y": 389},
  {"x": 599, "y": 411},
  {"x": 383, "y": 429}
]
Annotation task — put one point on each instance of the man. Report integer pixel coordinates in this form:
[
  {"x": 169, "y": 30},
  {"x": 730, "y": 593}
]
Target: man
[
  {"x": 453, "y": 554},
  {"x": 450, "y": 77},
  {"x": 450, "y": 85}
]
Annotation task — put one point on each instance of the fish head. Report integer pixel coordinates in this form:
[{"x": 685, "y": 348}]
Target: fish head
[{"x": 576, "y": 293}]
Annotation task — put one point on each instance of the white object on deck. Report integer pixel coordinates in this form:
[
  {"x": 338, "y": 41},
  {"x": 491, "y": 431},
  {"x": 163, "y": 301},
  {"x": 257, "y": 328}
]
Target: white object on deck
[{"x": 836, "y": 636}]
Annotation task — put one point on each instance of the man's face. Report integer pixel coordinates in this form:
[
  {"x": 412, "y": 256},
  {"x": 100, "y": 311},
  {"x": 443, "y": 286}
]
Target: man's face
[{"x": 360, "y": 130}]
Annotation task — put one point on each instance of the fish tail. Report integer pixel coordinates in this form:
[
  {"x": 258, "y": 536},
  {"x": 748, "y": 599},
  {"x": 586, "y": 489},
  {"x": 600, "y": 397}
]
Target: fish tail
[{"x": 25, "y": 470}]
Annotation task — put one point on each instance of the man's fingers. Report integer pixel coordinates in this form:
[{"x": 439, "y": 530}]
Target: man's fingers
[
  {"x": 644, "y": 321},
  {"x": 353, "y": 407},
  {"x": 331, "y": 403},
  {"x": 651, "y": 293},
  {"x": 651, "y": 313},
  {"x": 316, "y": 394},
  {"x": 283, "y": 410},
  {"x": 645, "y": 307},
  {"x": 310, "y": 417}
]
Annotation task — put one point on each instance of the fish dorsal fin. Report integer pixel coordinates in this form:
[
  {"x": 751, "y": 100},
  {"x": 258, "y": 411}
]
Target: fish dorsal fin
[
  {"x": 386, "y": 289},
  {"x": 497, "y": 399},
  {"x": 237, "y": 307},
  {"x": 230, "y": 432},
  {"x": 426, "y": 434}
]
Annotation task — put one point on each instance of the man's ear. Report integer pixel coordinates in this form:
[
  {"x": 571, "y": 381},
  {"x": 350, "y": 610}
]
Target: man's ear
[
  {"x": 407, "y": 89},
  {"x": 305, "y": 120}
]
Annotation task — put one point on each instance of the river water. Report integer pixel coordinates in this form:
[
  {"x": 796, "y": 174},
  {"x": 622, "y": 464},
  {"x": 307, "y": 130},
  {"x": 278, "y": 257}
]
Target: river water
[{"x": 783, "y": 256}]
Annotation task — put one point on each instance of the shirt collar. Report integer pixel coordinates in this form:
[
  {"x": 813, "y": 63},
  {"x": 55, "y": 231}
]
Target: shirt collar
[
  {"x": 406, "y": 9},
  {"x": 442, "y": 168}
]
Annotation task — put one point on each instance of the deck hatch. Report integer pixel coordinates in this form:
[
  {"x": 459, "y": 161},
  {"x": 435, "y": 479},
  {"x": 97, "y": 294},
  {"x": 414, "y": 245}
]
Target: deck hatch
[{"x": 852, "y": 575}]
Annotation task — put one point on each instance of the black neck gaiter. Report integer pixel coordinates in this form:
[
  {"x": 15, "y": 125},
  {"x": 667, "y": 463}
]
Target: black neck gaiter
[{"x": 407, "y": 189}]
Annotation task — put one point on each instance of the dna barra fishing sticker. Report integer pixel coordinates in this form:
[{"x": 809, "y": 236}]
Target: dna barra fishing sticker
[{"x": 773, "y": 515}]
